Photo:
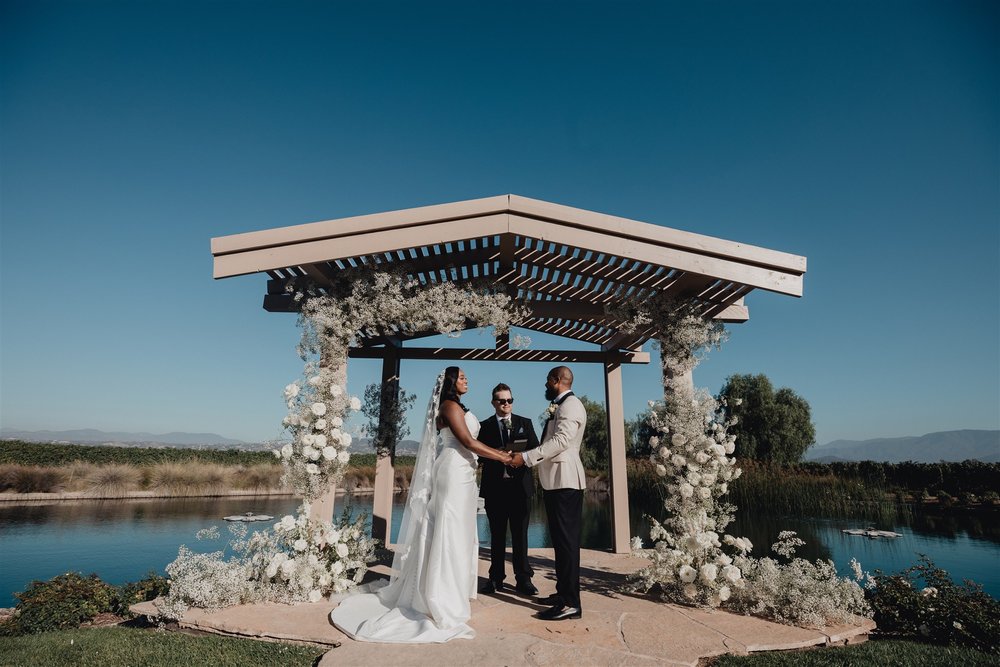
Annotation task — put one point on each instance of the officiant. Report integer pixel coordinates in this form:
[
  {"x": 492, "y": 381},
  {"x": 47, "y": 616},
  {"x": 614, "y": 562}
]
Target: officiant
[{"x": 507, "y": 492}]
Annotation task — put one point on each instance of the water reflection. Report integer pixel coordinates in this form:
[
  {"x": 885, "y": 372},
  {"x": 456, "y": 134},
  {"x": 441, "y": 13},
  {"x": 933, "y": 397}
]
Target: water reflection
[{"x": 121, "y": 540}]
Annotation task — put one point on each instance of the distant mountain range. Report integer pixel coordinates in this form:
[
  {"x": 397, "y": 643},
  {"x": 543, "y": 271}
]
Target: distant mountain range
[
  {"x": 90, "y": 436},
  {"x": 93, "y": 436},
  {"x": 929, "y": 448}
]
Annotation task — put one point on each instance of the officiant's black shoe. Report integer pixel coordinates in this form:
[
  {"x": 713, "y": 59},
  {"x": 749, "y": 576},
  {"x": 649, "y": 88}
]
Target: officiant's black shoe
[
  {"x": 491, "y": 587},
  {"x": 526, "y": 588},
  {"x": 553, "y": 599},
  {"x": 560, "y": 613}
]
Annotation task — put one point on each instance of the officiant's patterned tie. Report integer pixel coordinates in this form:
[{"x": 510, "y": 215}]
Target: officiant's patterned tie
[{"x": 508, "y": 472}]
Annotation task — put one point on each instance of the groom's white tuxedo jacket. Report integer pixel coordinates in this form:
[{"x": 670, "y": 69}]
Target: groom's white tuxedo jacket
[{"x": 558, "y": 457}]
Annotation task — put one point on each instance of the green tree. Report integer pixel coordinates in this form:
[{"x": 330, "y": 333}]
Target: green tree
[
  {"x": 386, "y": 428},
  {"x": 771, "y": 425},
  {"x": 594, "y": 450},
  {"x": 638, "y": 431}
]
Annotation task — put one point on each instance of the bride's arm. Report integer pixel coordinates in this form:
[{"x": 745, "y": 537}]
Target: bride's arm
[{"x": 454, "y": 417}]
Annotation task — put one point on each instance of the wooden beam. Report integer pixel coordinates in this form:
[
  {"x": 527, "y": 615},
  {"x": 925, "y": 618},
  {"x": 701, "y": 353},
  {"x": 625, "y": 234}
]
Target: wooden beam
[
  {"x": 620, "y": 528},
  {"x": 661, "y": 255},
  {"x": 328, "y": 249},
  {"x": 491, "y": 354}
]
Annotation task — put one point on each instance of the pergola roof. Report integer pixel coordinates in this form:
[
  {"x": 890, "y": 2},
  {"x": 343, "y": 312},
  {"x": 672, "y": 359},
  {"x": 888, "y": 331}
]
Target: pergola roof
[{"x": 564, "y": 264}]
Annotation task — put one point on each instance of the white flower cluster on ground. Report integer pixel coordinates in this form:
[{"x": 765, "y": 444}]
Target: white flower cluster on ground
[{"x": 299, "y": 560}]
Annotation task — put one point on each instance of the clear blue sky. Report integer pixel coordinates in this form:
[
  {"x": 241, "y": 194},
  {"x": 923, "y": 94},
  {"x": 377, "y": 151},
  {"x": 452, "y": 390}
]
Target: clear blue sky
[{"x": 863, "y": 135}]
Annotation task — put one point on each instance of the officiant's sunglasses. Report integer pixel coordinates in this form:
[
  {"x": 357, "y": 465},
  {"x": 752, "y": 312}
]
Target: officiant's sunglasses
[{"x": 504, "y": 401}]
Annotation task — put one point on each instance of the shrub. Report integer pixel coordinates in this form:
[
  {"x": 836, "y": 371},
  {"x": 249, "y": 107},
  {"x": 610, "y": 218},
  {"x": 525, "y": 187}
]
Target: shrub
[
  {"x": 148, "y": 588},
  {"x": 923, "y": 602},
  {"x": 113, "y": 480},
  {"x": 63, "y": 602}
]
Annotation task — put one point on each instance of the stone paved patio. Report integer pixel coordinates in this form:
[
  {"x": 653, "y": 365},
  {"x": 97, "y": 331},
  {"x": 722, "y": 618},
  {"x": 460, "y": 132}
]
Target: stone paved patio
[{"x": 616, "y": 628}]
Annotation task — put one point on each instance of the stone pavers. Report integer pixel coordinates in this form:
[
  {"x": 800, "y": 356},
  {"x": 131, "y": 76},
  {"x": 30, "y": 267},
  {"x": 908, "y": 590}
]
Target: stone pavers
[{"x": 616, "y": 628}]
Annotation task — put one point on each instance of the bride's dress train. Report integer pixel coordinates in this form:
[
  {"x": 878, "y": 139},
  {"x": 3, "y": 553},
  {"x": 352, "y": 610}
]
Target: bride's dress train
[{"x": 437, "y": 569}]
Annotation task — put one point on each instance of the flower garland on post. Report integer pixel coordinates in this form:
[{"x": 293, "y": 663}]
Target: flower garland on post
[
  {"x": 304, "y": 559},
  {"x": 692, "y": 452}
]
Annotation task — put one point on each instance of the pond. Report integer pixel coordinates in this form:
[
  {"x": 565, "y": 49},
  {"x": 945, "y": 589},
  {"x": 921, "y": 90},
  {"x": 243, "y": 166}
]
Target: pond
[{"x": 122, "y": 540}]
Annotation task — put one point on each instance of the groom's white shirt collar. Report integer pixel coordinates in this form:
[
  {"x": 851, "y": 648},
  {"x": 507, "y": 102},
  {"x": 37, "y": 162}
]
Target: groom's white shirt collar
[{"x": 559, "y": 397}]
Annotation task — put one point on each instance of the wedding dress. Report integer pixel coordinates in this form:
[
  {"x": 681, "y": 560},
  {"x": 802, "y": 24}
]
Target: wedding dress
[{"x": 435, "y": 567}]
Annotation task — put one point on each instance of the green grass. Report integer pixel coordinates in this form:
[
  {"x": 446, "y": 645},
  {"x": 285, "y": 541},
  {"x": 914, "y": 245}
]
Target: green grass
[
  {"x": 884, "y": 653},
  {"x": 126, "y": 647}
]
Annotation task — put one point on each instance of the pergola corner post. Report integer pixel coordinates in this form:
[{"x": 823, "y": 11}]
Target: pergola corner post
[
  {"x": 620, "y": 525},
  {"x": 384, "y": 469},
  {"x": 321, "y": 508}
]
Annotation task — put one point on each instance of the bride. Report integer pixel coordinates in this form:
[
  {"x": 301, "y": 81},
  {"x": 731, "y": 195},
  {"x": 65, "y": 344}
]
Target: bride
[{"x": 435, "y": 567}]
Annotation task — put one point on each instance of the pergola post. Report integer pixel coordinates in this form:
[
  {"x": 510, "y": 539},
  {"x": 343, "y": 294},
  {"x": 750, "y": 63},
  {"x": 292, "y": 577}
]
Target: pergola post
[
  {"x": 620, "y": 527},
  {"x": 384, "y": 470},
  {"x": 321, "y": 508}
]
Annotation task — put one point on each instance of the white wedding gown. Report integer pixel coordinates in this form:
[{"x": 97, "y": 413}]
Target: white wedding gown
[{"x": 429, "y": 600}]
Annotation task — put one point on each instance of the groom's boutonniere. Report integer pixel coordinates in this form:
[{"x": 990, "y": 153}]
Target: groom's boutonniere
[{"x": 550, "y": 411}]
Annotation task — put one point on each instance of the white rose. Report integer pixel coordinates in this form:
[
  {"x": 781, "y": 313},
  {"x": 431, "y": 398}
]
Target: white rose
[
  {"x": 729, "y": 447},
  {"x": 344, "y": 457},
  {"x": 336, "y": 435},
  {"x": 293, "y": 420},
  {"x": 315, "y": 381},
  {"x": 654, "y": 441},
  {"x": 687, "y": 574},
  {"x": 288, "y": 568},
  {"x": 661, "y": 470},
  {"x": 315, "y": 595},
  {"x": 312, "y": 468},
  {"x": 344, "y": 584},
  {"x": 731, "y": 573},
  {"x": 719, "y": 451},
  {"x": 291, "y": 391},
  {"x": 308, "y": 439},
  {"x": 271, "y": 570},
  {"x": 308, "y": 452},
  {"x": 664, "y": 453},
  {"x": 337, "y": 567},
  {"x": 737, "y": 472},
  {"x": 723, "y": 488},
  {"x": 286, "y": 452},
  {"x": 320, "y": 424},
  {"x": 690, "y": 591},
  {"x": 355, "y": 403},
  {"x": 336, "y": 390},
  {"x": 277, "y": 453},
  {"x": 709, "y": 572},
  {"x": 701, "y": 457},
  {"x": 333, "y": 536},
  {"x": 693, "y": 478},
  {"x": 346, "y": 439},
  {"x": 287, "y": 522},
  {"x": 636, "y": 543},
  {"x": 324, "y": 580},
  {"x": 686, "y": 490},
  {"x": 305, "y": 580},
  {"x": 336, "y": 422},
  {"x": 725, "y": 593},
  {"x": 678, "y": 439},
  {"x": 329, "y": 453},
  {"x": 723, "y": 559},
  {"x": 342, "y": 550},
  {"x": 704, "y": 492},
  {"x": 318, "y": 409},
  {"x": 678, "y": 461},
  {"x": 300, "y": 545}
]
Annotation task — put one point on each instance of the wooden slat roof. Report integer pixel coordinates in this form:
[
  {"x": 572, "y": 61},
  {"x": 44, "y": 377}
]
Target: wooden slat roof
[{"x": 564, "y": 264}]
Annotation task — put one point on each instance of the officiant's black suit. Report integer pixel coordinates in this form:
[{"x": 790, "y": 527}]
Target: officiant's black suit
[{"x": 508, "y": 500}]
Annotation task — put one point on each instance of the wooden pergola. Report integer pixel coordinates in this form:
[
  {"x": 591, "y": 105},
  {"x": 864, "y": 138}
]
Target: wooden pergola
[{"x": 563, "y": 265}]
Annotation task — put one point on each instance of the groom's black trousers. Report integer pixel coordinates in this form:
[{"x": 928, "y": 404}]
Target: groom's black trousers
[{"x": 565, "y": 511}]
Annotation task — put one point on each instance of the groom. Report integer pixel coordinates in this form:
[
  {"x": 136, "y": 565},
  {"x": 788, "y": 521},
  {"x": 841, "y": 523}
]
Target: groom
[{"x": 561, "y": 475}]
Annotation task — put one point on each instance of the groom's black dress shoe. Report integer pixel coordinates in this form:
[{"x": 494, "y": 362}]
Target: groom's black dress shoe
[
  {"x": 553, "y": 599},
  {"x": 560, "y": 613},
  {"x": 526, "y": 588},
  {"x": 491, "y": 587}
]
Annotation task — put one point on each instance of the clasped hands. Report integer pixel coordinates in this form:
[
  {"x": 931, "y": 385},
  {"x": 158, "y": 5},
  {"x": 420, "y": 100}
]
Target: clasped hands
[{"x": 513, "y": 459}]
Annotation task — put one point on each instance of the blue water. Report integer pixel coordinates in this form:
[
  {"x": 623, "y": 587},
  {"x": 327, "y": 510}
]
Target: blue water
[{"x": 122, "y": 540}]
